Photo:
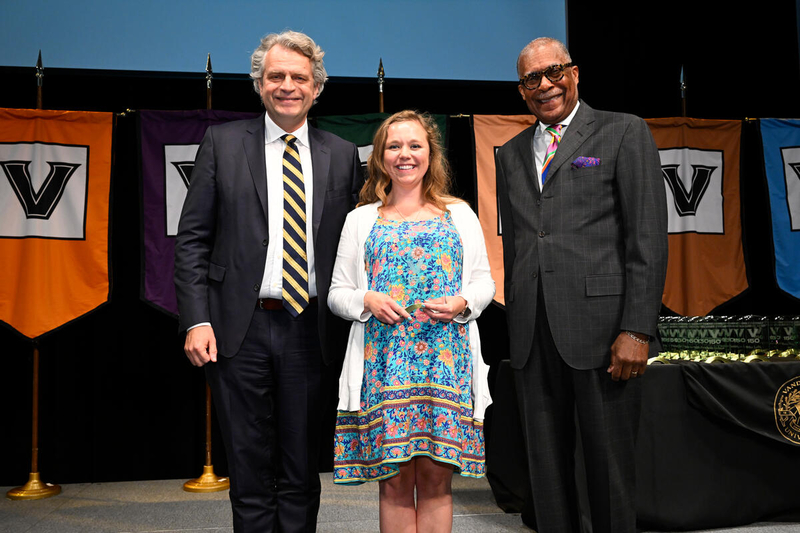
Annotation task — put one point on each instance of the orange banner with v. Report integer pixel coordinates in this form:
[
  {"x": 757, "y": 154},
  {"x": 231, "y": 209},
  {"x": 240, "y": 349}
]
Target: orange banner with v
[
  {"x": 55, "y": 181},
  {"x": 700, "y": 165}
]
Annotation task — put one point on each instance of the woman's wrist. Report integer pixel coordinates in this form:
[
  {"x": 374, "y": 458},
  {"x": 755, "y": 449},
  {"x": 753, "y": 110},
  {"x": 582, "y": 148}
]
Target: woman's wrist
[{"x": 465, "y": 311}]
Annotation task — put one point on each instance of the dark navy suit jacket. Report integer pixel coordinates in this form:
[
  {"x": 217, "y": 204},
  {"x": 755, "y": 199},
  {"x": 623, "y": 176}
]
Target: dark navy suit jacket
[{"x": 222, "y": 238}]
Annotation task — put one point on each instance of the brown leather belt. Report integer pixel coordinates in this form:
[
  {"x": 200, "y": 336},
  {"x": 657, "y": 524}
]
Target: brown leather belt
[{"x": 273, "y": 304}]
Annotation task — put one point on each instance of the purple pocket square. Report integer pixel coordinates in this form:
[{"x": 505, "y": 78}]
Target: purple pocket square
[{"x": 583, "y": 162}]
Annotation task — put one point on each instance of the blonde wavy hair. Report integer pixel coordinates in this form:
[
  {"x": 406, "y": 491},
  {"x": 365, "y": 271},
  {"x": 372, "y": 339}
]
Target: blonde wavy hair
[{"x": 437, "y": 180}]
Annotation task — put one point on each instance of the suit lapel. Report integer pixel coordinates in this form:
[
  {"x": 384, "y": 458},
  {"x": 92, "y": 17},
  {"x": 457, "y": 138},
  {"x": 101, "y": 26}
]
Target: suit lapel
[
  {"x": 523, "y": 151},
  {"x": 321, "y": 163},
  {"x": 579, "y": 130},
  {"x": 254, "y": 151}
]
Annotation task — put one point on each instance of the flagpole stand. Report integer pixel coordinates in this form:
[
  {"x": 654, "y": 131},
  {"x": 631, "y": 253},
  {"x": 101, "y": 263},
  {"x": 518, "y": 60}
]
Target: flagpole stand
[
  {"x": 208, "y": 482},
  {"x": 34, "y": 489}
]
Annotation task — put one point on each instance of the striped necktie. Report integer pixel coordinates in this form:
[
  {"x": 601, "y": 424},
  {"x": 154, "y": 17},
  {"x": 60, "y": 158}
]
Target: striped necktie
[
  {"x": 555, "y": 131},
  {"x": 295, "y": 261}
]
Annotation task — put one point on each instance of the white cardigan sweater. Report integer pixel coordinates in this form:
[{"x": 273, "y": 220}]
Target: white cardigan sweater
[{"x": 349, "y": 285}]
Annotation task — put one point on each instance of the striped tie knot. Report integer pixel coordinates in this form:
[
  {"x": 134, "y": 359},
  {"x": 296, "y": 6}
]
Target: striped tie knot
[
  {"x": 555, "y": 131},
  {"x": 295, "y": 261}
]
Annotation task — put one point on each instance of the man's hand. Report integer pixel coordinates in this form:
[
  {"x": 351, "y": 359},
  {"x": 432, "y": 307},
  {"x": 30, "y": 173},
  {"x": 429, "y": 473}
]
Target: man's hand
[
  {"x": 628, "y": 357},
  {"x": 201, "y": 345}
]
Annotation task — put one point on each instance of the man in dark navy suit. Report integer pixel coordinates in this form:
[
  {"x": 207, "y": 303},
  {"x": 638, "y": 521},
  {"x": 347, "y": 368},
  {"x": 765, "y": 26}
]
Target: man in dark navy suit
[{"x": 262, "y": 337}]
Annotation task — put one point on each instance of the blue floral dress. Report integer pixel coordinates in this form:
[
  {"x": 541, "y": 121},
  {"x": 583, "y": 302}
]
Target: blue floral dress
[{"x": 416, "y": 391}]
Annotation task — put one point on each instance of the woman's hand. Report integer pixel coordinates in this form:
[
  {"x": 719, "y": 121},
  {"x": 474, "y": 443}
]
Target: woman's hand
[
  {"x": 384, "y": 308},
  {"x": 444, "y": 308}
]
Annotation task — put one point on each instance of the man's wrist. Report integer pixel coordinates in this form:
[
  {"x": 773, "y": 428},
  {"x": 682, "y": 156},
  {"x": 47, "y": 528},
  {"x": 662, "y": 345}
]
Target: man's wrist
[{"x": 638, "y": 337}]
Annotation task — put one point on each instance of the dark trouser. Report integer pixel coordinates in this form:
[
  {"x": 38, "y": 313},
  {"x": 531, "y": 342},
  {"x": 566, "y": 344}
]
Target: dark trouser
[
  {"x": 268, "y": 400},
  {"x": 550, "y": 393}
]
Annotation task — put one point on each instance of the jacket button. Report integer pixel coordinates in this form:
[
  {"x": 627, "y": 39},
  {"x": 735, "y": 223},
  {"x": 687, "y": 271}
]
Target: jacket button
[
  {"x": 264, "y": 242},
  {"x": 542, "y": 234},
  {"x": 256, "y": 287}
]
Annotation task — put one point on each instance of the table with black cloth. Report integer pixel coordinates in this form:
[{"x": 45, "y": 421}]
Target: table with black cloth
[{"x": 709, "y": 453}]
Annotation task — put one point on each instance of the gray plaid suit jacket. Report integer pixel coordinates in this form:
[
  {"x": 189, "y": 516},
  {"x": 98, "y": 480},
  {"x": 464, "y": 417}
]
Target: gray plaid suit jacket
[{"x": 596, "y": 235}]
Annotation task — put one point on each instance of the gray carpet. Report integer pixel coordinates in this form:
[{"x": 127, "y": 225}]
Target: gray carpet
[{"x": 164, "y": 507}]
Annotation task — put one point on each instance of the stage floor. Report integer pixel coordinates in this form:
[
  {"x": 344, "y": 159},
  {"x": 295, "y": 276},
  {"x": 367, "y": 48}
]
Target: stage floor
[{"x": 164, "y": 507}]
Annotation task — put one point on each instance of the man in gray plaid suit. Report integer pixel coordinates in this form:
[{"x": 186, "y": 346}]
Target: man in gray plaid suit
[{"x": 583, "y": 213}]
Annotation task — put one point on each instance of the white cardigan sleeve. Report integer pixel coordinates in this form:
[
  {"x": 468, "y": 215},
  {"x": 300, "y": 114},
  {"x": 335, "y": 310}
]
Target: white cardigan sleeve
[
  {"x": 346, "y": 295},
  {"x": 346, "y": 299},
  {"x": 477, "y": 287}
]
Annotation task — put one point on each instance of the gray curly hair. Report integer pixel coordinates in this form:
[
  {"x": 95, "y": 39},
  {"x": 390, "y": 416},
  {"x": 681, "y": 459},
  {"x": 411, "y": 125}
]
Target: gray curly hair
[
  {"x": 292, "y": 40},
  {"x": 560, "y": 47}
]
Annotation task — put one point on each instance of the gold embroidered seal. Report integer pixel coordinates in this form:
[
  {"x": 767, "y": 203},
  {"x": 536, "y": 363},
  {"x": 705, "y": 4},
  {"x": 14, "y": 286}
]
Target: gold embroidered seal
[{"x": 787, "y": 410}]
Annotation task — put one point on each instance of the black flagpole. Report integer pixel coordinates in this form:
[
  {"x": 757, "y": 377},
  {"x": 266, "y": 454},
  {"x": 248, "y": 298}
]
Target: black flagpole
[
  {"x": 208, "y": 482},
  {"x": 35, "y": 489}
]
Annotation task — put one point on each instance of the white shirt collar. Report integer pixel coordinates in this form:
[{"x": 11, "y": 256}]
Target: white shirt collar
[
  {"x": 273, "y": 132},
  {"x": 564, "y": 123}
]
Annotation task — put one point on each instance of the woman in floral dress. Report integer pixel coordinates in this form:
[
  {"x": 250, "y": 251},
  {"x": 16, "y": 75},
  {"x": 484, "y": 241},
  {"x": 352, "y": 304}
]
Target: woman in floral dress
[{"x": 412, "y": 274}]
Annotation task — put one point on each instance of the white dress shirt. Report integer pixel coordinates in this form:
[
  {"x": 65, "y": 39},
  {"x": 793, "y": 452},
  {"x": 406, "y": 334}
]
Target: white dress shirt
[
  {"x": 274, "y": 146},
  {"x": 541, "y": 140}
]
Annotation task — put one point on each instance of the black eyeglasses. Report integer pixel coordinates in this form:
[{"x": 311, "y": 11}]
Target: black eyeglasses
[{"x": 553, "y": 73}]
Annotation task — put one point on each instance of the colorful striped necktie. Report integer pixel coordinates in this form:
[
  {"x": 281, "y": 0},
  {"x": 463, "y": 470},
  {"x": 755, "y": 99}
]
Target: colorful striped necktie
[
  {"x": 295, "y": 261},
  {"x": 555, "y": 131}
]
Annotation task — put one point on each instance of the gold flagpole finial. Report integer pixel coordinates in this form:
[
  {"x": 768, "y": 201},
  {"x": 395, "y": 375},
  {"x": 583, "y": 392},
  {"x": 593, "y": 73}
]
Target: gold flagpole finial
[
  {"x": 209, "y": 79},
  {"x": 683, "y": 92},
  {"x": 39, "y": 70},
  {"x": 380, "y": 85},
  {"x": 39, "y": 80}
]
